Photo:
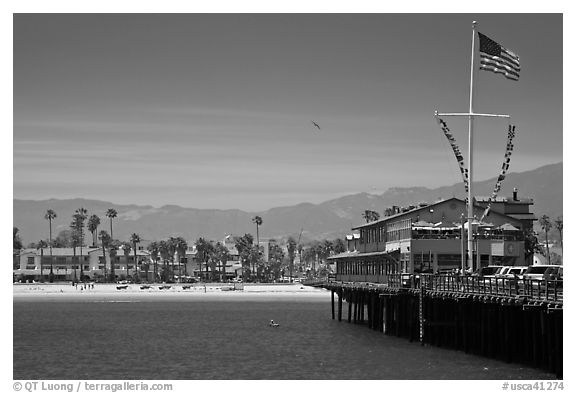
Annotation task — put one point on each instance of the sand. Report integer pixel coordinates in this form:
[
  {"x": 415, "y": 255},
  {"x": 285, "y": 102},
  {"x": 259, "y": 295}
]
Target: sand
[{"x": 111, "y": 291}]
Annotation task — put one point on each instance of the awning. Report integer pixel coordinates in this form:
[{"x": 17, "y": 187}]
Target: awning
[
  {"x": 422, "y": 224},
  {"x": 28, "y": 272},
  {"x": 508, "y": 227},
  {"x": 478, "y": 224}
]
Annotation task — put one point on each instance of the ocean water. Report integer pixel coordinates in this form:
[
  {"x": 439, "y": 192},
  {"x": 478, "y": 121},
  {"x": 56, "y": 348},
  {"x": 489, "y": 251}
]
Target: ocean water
[{"x": 207, "y": 338}]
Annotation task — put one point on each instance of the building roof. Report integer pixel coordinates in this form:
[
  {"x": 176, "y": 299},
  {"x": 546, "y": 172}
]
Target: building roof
[
  {"x": 60, "y": 251},
  {"x": 427, "y": 207},
  {"x": 141, "y": 253},
  {"x": 354, "y": 254},
  {"x": 504, "y": 199},
  {"x": 523, "y": 216}
]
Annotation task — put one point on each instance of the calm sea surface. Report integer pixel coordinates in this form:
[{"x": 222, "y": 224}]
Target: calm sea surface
[{"x": 225, "y": 338}]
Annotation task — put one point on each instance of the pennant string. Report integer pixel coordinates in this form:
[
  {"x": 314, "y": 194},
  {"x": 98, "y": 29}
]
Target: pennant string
[
  {"x": 505, "y": 166},
  {"x": 456, "y": 150}
]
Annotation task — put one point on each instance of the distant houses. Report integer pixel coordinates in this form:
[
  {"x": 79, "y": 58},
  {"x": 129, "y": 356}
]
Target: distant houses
[{"x": 67, "y": 264}]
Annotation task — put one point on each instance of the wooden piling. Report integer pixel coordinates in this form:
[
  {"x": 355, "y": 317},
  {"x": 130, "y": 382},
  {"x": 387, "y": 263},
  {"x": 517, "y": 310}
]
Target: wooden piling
[
  {"x": 340, "y": 294},
  {"x": 495, "y": 325},
  {"x": 349, "y": 308},
  {"x": 332, "y": 294}
]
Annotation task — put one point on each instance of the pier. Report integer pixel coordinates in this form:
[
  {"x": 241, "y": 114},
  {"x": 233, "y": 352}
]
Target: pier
[{"x": 511, "y": 320}]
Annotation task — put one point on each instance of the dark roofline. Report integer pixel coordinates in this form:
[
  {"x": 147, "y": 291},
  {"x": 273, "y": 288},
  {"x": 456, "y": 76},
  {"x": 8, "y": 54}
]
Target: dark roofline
[
  {"x": 506, "y": 199},
  {"x": 403, "y": 213},
  {"x": 395, "y": 216},
  {"x": 358, "y": 254}
]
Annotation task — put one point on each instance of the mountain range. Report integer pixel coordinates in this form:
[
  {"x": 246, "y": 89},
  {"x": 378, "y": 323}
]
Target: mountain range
[{"x": 326, "y": 220}]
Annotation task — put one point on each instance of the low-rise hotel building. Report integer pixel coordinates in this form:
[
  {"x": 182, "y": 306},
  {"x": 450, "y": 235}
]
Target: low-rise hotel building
[{"x": 76, "y": 264}]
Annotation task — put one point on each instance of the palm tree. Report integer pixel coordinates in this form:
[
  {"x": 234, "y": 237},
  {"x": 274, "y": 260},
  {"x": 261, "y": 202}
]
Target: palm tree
[
  {"x": 338, "y": 246},
  {"x": 164, "y": 253},
  {"x": 75, "y": 240},
  {"x": 135, "y": 239},
  {"x": 205, "y": 252},
  {"x": 17, "y": 242},
  {"x": 111, "y": 213},
  {"x": 258, "y": 221},
  {"x": 104, "y": 240},
  {"x": 300, "y": 248},
  {"x": 559, "y": 224},
  {"x": 370, "y": 215},
  {"x": 80, "y": 216},
  {"x": 41, "y": 246},
  {"x": 181, "y": 247},
  {"x": 126, "y": 248},
  {"x": 546, "y": 226},
  {"x": 154, "y": 251},
  {"x": 113, "y": 246},
  {"x": 291, "y": 253},
  {"x": 92, "y": 226},
  {"x": 50, "y": 215},
  {"x": 171, "y": 242},
  {"x": 254, "y": 259},
  {"x": 244, "y": 245},
  {"x": 222, "y": 255}
]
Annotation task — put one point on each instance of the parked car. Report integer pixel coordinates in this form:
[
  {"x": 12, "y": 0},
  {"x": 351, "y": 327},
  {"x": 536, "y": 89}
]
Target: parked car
[
  {"x": 543, "y": 272},
  {"x": 554, "y": 273},
  {"x": 512, "y": 272},
  {"x": 488, "y": 271}
]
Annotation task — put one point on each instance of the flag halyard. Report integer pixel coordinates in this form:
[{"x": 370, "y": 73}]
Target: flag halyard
[{"x": 494, "y": 57}]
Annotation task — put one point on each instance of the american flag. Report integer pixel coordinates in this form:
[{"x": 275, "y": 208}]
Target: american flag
[{"x": 494, "y": 57}]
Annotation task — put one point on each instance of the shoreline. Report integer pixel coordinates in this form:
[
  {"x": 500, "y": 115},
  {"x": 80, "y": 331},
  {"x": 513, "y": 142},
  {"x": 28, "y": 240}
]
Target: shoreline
[{"x": 131, "y": 292}]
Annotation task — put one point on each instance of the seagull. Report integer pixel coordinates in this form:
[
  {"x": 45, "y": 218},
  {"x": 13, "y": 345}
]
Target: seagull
[
  {"x": 274, "y": 324},
  {"x": 316, "y": 124}
]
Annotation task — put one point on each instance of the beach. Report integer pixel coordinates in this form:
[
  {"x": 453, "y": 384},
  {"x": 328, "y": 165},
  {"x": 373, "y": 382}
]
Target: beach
[{"x": 163, "y": 291}]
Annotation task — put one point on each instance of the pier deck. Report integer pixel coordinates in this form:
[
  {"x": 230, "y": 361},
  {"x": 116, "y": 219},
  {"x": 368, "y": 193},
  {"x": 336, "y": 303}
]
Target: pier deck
[{"x": 511, "y": 320}]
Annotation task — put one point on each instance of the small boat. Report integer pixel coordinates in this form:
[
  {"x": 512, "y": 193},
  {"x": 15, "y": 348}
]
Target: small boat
[
  {"x": 186, "y": 286},
  {"x": 165, "y": 287},
  {"x": 145, "y": 287},
  {"x": 120, "y": 287},
  {"x": 273, "y": 324}
]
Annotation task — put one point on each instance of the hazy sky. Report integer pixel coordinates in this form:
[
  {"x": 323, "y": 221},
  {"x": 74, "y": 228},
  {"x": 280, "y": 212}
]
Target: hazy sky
[{"x": 216, "y": 110}]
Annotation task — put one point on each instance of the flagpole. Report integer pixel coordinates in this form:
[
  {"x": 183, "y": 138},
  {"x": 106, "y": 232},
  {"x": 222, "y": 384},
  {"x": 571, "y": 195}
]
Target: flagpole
[{"x": 470, "y": 155}]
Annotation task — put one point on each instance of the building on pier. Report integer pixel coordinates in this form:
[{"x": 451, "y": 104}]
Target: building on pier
[{"x": 432, "y": 238}]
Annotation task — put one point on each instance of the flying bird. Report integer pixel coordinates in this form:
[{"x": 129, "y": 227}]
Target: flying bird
[{"x": 316, "y": 124}]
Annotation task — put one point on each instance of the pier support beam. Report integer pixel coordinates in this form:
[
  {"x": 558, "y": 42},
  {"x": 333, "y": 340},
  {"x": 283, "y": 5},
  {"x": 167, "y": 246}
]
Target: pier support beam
[
  {"x": 332, "y": 294},
  {"x": 340, "y": 294}
]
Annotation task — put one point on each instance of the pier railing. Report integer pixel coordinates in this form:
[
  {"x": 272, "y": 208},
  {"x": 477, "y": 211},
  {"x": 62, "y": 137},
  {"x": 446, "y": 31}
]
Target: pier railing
[{"x": 551, "y": 290}]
